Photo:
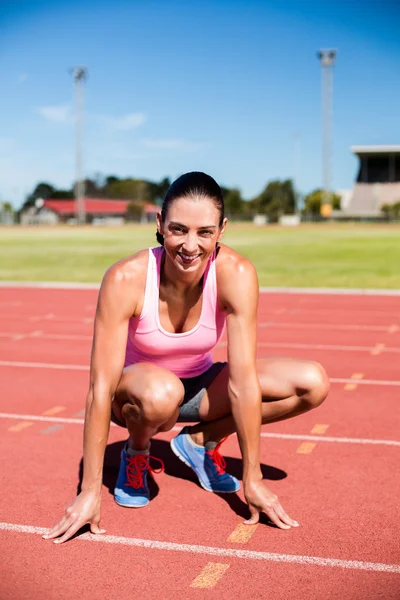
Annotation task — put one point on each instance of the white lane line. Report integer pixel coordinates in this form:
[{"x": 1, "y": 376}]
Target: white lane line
[
  {"x": 282, "y": 436},
  {"x": 340, "y": 348},
  {"x": 68, "y": 367},
  {"x": 47, "y": 336},
  {"x": 329, "y": 347},
  {"x": 50, "y": 284},
  {"x": 335, "y": 327},
  {"x": 263, "y": 290},
  {"x": 330, "y": 291},
  {"x": 340, "y": 440},
  {"x": 45, "y": 419},
  {"x": 365, "y": 381},
  {"x": 33, "y": 365},
  {"x": 263, "y": 324},
  {"x": 210, "y": 550}
]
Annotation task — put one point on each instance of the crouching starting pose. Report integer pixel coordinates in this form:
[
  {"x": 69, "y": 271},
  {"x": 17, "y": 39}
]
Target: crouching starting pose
[{"x": 160, "y": 314}]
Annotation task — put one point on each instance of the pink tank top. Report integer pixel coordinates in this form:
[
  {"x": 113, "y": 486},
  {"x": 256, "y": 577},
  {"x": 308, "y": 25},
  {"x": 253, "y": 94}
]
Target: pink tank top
[{"x": 186, "y": 354}]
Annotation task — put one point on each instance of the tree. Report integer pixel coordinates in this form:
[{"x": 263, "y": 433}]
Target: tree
[
  {"x": 134, "y": 211},
  {"x": 277, "y": 198},
  {"x": 7, "y": 207},
  {"x": 313, "y": 202},
  {"x": 391, "y": 211},
  {"x": 42, "y": 190},
  {"x": 110, "y": 179},
  {"x": 91, "y": 189},
  {"x": 234, "y": 203},
  {"x": 63, "y": 195},
  {"x": 130, "y": 189}
]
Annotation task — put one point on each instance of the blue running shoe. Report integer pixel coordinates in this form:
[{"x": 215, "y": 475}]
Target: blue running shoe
[
  {"x": 208, "y": 465},
  {"x": 131, "y": 488}
]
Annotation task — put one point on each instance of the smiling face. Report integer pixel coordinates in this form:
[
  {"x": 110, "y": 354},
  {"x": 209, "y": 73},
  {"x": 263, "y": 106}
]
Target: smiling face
[{"x": 191, "y": 231}]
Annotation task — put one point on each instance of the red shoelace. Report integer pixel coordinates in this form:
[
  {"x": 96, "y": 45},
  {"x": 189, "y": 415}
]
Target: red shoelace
[
  {"x": 136, "y": 467},
  {"x": 217, "y": 458}
]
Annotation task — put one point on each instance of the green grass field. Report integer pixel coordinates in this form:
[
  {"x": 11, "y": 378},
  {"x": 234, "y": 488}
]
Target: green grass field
[{"x": 322, "y": 255}]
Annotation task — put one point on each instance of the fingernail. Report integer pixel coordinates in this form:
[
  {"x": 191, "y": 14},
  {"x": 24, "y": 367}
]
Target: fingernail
[
  {"x": 56, "y": 542},
  {"x": 296, "y": 524}
]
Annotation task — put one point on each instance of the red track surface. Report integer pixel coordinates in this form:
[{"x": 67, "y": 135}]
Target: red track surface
[{"x": 345, "y": 492}]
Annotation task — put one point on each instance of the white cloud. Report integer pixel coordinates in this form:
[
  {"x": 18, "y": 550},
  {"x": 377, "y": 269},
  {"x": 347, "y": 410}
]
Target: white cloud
[
  {"x": 57, "y": 114},
  {"x": 170, "y": 144},
  {"x": 126, "y": 122},
  {"x": 22, "y": 77}
]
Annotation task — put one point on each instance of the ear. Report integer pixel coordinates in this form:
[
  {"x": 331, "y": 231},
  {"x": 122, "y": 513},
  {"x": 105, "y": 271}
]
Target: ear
[
  {"x": 160, "y": 225},
  {"x": 222, "y": 230}
]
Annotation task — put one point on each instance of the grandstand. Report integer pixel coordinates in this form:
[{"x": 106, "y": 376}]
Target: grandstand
[{"x": 378, "y": 181}]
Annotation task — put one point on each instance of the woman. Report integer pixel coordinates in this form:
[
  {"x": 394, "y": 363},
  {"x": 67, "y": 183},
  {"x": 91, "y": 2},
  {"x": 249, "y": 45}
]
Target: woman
[{"x": 160, "y": 313}]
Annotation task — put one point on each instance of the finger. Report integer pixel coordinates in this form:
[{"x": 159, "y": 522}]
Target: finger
[
  {"x": 94, "y": 528},
  {"x": 271, "y": 514},
  {"x": 57, "y": 529},
  {"x": 70, "y": 532},
  {"x": 254, "y": 517},
  {"x": 285, "y": 517}
]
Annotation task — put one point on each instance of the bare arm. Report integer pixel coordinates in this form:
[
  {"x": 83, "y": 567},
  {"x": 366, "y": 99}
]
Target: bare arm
[
  {"x": 114, "y": 310},
  {"x": 116, "y": 304},
  {"x": 240, "y": 297}
]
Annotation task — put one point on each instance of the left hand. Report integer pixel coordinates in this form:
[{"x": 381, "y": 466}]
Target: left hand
[{"x": 261, "y": 499}]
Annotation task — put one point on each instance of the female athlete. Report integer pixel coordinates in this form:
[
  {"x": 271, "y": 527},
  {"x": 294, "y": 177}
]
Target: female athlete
[{"x": 160, "y": 313}]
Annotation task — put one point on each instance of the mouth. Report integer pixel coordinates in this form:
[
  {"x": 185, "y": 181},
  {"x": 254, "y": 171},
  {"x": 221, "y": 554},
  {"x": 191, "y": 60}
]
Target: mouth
[{"x": 188, "y": 259}]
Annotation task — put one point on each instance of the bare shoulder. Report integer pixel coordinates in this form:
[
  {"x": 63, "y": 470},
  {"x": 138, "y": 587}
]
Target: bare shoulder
[
  {"x": 124, "y": 283},
  {"x": 236, "y": 276}
]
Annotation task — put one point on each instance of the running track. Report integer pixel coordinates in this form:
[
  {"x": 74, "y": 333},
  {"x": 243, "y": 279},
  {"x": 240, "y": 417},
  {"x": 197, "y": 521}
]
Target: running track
[{"x": 335, "y": 470}]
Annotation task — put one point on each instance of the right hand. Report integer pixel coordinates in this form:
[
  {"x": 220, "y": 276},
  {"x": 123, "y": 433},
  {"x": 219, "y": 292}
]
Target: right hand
[
  {"x": 260, "y": 499},
  {"x": 84, "y": 509}
]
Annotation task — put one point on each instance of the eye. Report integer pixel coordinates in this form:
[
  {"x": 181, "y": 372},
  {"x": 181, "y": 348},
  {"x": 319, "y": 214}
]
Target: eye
[
  {"x": 176, "y": 229},
  {"x": 206, "y": 232}
]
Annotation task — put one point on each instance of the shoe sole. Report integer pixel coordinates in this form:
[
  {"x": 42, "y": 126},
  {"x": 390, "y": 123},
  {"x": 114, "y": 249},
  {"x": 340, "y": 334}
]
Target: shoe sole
[
  {"x": 131, "y": 505},
  {"x": 177, "y": 453}
]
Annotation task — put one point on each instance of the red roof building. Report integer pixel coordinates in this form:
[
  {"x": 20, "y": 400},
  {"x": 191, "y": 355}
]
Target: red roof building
[
  {"x": 92, "y": 206},
  {"x": 96, "y": 209}
]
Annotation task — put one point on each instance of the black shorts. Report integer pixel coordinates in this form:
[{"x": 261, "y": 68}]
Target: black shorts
[{"x": 195, "y": 388}]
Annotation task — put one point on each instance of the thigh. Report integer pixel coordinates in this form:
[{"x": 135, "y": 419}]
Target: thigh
[
  {"x": 279, "y": 377},
  {"x": 143, "y": 383}
]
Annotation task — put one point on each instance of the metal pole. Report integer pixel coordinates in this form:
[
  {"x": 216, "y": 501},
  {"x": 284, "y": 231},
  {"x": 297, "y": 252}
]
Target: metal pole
[
  {"x": 327, "y": 60},
  {"x": 297, "y": 138},
  {"x": 80, "y": 75}
]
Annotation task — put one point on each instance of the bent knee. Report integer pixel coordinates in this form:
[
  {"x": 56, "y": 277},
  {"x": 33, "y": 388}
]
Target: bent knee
[
  {"x": 316, "y": 383},
  {"x": 157, "y": 398},
  {"x": 160, "y": 400}
]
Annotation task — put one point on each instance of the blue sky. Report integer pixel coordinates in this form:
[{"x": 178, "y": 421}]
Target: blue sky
[{"x": 229, "y": 87}]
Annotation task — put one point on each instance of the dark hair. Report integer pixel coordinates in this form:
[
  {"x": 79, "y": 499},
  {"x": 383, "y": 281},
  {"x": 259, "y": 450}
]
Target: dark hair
[{"x": 191, "y": 185}]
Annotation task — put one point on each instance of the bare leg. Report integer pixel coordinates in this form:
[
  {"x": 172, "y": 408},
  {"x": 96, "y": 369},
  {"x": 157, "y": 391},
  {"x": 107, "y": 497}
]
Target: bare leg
[
  {"x": 289, "y": 388},
  {"x": 147, "y": 400}
]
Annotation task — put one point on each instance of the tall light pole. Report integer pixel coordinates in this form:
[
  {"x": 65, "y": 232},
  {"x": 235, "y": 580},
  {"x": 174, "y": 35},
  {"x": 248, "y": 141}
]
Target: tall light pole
[
  {"x": 327, "y": 60},
  {"x": 80, "y": 75},
  {"x": 297, "y": 140}
]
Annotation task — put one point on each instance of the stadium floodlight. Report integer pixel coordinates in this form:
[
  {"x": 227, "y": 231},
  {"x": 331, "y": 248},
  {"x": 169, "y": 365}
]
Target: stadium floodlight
[
  {"x": 327, "y": 61},
  {"x": 80, "y": 75}
]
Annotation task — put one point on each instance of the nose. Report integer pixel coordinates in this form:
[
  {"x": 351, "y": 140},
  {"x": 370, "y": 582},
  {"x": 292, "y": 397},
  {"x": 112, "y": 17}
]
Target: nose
[{"x": 190, "y": 243}]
